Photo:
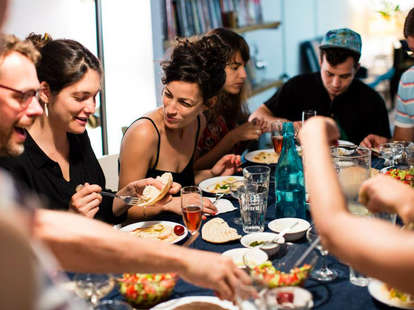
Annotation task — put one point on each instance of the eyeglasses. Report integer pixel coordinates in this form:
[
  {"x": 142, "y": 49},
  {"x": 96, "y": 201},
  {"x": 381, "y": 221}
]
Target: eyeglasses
[{"x": 25, "y": 97}]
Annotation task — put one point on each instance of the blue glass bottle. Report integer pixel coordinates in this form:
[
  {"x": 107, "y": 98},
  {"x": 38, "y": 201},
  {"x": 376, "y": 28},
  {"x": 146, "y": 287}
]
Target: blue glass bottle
[{"x": 289, "y": 181}]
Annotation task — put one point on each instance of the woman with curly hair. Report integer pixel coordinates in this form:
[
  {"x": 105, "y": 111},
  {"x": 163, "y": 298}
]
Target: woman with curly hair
[
  {"x": 165, "y": 139},
  {"x": 227, "y": 128}
]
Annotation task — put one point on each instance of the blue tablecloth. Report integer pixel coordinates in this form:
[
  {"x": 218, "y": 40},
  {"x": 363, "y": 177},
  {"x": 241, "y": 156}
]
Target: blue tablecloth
[{"x": 338, "y": 294}]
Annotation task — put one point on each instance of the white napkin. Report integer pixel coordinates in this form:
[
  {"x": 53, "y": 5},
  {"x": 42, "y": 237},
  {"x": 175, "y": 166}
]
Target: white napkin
[{"x": 223, "y": 205}]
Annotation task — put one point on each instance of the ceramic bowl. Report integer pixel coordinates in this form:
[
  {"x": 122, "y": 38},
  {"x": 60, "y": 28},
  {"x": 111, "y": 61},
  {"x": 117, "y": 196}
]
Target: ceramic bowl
[
  {"x": 295, "y": 233},
  {"x": 289, "y": 297},
  {"x": 263, "y": 236}
]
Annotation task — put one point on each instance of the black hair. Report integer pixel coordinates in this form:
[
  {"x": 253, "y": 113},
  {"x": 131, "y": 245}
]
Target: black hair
[
  {"x": 201, "y": 61},
  {"x": 336, "y": 55},
  {"x": 409, "y": 24}
]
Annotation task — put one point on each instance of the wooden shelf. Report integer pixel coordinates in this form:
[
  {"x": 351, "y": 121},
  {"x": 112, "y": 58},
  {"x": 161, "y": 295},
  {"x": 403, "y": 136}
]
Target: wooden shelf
[
  {"x": 268, "y": 84},
  {"x": 273, "y": 25}
]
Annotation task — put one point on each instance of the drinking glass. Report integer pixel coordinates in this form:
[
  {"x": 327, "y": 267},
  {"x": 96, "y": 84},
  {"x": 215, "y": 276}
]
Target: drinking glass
[
  {"x": 191, "y": 207},
  {"x": 259, "y": 175},
  {"x": 93, "y": 287},
  {"x": 353, "y": 165},
  {"x": 112, "y": 305},
  {"x": 235, "y": 191},
  {"x": 253, "y": 206},
  {"x": 409, "y": 152},
  {"x": 391, "y": 151},
  {"x": 324, "y": 273},
  {"x": 277, "y": 136},
  {"x": 306, "y": 114}
]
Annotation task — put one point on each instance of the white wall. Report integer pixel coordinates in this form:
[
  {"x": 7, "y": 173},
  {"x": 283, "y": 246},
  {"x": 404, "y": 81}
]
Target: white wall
[{"x": 129, "y": 64}]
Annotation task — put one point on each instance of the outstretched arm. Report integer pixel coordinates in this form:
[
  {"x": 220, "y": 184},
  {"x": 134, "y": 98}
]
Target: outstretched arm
[
  {"x": 372, "y": 246},
  {"x": 84, "y": 245}
]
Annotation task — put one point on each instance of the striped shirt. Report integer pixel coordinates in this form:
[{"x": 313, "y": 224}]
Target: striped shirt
[{"x": 404, "y": 116}]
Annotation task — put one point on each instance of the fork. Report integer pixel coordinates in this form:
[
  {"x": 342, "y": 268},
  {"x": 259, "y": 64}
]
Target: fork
[
  {"x": 218, "y": 197},
  {"x": 129, "y": 200}
]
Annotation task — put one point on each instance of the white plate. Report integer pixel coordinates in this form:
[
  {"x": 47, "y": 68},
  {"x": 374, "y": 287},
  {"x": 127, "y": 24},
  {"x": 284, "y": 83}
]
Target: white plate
[
  {"x": 171, "y": 304},
  {"x": 250, "y": 156},
  {"x": 209, "y": 184},
  {"x": 222, "y": 205},
  {"x": 377, "y": 290},
  {"x": 131, "y": 227},
  {"x": 344, "y": 142},
  {"x": 254, "y": 256}
]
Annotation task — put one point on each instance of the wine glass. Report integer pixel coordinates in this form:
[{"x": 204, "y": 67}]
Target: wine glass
[
  {"x": 113, "y": 304},
  {"x": 391, "y": 151},
  {"x": 324, "y": 273},
  {"x": 191, "y": 207},
  {"x": 93, "y": 287},
  {"x": 277, "y": 136}
]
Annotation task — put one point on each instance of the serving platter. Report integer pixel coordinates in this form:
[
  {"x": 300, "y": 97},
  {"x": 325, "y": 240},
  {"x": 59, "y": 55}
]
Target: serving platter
[{"x": 172, "y": 304}]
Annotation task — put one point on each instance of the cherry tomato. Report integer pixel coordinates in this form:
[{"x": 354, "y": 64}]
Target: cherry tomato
[
  {"x": 178, "y": 230},
  {"x": 283, "y": 297}
]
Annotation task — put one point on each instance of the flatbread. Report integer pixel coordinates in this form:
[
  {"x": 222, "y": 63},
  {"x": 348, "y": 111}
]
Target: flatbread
[
  {"x": 217, "y": 230},
  {"x": 151, "y": 194},
  {"x": 266, "y": 157}
]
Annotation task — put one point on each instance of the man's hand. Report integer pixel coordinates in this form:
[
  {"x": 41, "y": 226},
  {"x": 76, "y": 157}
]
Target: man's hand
[
  {"x": 214, "y": 271},
  {"x": 371, "y": 141}
]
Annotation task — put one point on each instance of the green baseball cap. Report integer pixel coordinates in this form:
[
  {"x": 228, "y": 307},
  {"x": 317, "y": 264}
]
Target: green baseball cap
[{"x": 342, "y": 38}]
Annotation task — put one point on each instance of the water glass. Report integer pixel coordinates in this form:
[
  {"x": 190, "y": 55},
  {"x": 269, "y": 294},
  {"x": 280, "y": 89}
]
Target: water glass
[
  {"x": 306, "y": 114},
  {"x": 192, "y": 207},
  {"x": 353, "y": 165},
  {"x": 391, "y": 151},
  {"x": 253, "y": 206},
  {"x": 112, "y": 305},
  {"x": 259, "y": 175},
  {"x": 357, "y": 278},
  {"x": 409, "y": 153},
  {"x": 93, "y": 287}
]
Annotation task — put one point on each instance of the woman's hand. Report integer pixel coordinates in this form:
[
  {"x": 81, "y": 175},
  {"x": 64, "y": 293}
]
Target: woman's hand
[
  {"x": 385, "y": 194},
  {"x": 246, "y": 131},
  {"x": 174, "y": 205},
  {"x": 228, "y": 165},
  {"x": 86, "y": 200}
]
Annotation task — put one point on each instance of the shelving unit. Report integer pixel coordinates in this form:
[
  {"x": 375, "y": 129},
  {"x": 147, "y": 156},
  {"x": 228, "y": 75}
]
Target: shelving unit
[{"x": 272, "y": 25}]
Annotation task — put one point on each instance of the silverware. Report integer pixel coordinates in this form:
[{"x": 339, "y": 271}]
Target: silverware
[
  {"x": 280, "y": 235},
  {"x": 129, "y": 200},
  {"x": 218, "y": 197},
  {"x": 306, "y": 253}
]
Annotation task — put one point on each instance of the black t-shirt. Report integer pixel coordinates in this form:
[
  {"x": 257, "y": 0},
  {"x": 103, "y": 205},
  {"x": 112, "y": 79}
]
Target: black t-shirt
[
  {"x": 42, "y": 175},
  {"x": 359, "y": 111}
]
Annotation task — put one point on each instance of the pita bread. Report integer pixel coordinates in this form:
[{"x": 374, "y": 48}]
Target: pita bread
[
  {"x": 152, "y": 194},
  {"x": 217, "y": 230}
]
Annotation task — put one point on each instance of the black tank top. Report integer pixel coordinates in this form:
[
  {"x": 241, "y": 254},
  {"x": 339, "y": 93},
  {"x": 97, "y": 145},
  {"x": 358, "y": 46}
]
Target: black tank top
[{"x": 185, "y": 177}]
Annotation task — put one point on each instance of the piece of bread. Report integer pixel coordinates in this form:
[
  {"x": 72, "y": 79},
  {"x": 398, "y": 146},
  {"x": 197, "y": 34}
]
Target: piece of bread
[
  {"x": 217, "y": 230},
  {"x": 152, "y": 194}
]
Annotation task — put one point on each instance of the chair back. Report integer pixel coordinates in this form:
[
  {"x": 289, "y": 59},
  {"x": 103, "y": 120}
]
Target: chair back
[{"x": 109, "y": 164}]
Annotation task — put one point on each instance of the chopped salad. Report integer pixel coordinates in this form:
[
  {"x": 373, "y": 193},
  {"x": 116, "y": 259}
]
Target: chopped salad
[
  {"x": 406, "y": 176},
  {"x": 272, "y": 277}
]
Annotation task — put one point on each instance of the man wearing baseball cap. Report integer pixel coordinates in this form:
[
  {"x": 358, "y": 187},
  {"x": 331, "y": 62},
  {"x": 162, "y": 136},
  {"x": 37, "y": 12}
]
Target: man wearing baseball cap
[{"x": 333, "y": 92}]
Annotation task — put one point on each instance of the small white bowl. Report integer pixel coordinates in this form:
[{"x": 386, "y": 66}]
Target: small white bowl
[
  {"x": 302, "y": 298},
  {"x": 295, "y": 233},
  {"x": 262, "y": 236},
  {"x": 254, "y": 256}
]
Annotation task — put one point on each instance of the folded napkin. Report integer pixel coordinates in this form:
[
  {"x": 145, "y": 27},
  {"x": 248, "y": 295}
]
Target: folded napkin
[{"x": 223, "y": 205}]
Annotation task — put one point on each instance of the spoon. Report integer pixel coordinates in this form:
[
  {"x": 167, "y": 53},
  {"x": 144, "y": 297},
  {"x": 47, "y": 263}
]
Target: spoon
[{"x": 280, "y": 235}]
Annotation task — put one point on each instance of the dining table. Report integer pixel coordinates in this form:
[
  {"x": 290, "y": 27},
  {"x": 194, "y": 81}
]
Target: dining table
[{"x": 337, "y": 294}]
